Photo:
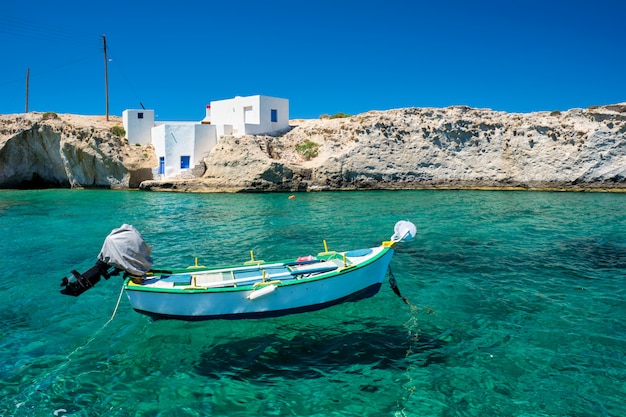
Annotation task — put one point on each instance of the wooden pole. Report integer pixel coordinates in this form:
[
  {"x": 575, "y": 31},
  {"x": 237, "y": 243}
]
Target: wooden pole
[
  {"x": 106, "y": 76},
  {"x": 27, "y": 79}
]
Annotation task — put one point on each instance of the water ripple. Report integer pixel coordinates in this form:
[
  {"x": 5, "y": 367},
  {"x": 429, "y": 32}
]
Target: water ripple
[{"x": 520, "y": 298}]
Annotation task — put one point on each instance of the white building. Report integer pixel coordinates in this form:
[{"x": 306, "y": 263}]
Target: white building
[
  {"x": 251, "y": 115},
  {"x": 137, "y": 124},
  {"x": 180, "y": 146}
]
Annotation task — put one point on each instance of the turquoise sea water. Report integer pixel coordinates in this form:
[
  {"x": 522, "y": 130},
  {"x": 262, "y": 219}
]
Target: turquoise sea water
[{"x": 520, "y": 308}]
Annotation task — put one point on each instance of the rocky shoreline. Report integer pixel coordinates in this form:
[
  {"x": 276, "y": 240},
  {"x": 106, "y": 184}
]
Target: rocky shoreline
[
  {"x": 46, "y": 150},
  {"x": 452, "y": 148},
  {"x": 413, "y": 148}
]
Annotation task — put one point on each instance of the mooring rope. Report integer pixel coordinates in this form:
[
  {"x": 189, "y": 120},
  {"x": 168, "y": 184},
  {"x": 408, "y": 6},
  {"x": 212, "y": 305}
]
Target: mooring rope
[
  {"x": 412, "y": 327},
  {"x": 35, "y": 386},
  {"x": 92, "y": 338},
  {"x": 394, "y": 286},
  {"x": 119, "y": 298}
]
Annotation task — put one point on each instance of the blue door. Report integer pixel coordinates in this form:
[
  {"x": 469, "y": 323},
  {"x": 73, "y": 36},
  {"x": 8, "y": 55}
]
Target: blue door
[{"x": 162, "y": 165}]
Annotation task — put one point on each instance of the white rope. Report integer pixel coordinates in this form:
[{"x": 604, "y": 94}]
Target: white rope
[
  {"x": 69, "y": 357},
  {"x": 116, "y": 306},
  {"x": 103, "y": 326}
]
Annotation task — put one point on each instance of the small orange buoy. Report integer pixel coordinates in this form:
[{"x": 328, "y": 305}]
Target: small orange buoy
[{"x": 291, "y": 197}]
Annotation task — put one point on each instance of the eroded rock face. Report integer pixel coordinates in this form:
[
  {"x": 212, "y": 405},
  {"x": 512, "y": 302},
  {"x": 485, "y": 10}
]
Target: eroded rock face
[
  {"x": 462, "y": 147},
  {"x": 68, "y": 151},
  {"x": 456, "y": 147},
  {"x": 32, "y": 158}
]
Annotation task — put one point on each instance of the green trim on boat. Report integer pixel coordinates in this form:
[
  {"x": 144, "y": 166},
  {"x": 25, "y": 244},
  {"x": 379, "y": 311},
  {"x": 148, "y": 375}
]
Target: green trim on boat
[{"x": 190, "y": 289}]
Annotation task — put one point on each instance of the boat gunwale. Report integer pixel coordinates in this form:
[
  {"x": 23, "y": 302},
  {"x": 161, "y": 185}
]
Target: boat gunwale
[{"x": 291, "y": 281}]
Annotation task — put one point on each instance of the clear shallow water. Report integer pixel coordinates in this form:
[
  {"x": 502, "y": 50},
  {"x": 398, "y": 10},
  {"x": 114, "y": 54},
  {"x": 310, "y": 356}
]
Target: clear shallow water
[{"x": 520, "y": 308}]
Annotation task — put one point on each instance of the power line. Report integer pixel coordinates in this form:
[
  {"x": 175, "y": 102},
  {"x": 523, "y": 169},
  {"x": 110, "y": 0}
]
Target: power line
[
  {"x": 54, "y": 37},
  {"x": 38, "y": 72},
  {"x": 36, "y": 76},
  {"x": 58, "y": 39},
  {"x": 121, "y": 71},
  {"x": 28, "y": 29}
]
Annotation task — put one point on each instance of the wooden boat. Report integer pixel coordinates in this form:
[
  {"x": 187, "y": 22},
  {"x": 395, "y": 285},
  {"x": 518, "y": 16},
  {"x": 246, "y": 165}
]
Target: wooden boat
[{"x": 254, "y": 289}]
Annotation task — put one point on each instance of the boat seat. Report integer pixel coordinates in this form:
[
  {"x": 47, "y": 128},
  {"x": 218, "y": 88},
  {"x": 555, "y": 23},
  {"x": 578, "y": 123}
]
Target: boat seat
[
  {"x": 248, "y": 274},
  {"x": 213, "y": 278},
  {"x": 178, "y": 279},
  {"x": 270, "y": 272}
]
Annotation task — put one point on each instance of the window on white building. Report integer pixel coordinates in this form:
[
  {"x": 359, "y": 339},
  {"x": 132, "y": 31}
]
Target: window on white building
[
  {"x": 140, "y": 115},
  {"x": 274, "y": 115},
  {"x": 184, "y": 162}
]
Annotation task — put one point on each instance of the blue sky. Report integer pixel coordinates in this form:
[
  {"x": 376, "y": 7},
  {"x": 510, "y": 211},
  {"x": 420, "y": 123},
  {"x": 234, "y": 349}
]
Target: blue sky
[{"x": 324, "y": 56}]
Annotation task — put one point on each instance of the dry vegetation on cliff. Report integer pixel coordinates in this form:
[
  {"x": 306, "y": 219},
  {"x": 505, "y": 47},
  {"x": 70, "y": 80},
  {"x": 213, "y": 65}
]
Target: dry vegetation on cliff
[{"x": 410, "y": 148}]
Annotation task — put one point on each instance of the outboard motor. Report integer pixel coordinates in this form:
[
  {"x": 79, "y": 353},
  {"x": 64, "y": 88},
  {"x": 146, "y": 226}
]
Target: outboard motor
[
  {"x": 82, "y": 282},
  {"x": 123, "y": 250}
]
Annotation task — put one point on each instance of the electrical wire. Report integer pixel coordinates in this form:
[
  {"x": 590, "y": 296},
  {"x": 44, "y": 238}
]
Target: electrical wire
[
  {"x": 62, "y": 40},
  {"x": 28, "y": 29},
  {"x": 72, "y": 43},
  {"x": 119, "y": 68}
]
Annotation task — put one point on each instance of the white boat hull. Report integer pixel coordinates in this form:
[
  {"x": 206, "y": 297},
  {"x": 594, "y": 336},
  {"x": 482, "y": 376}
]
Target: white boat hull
[{"x": 362, "y": 279}]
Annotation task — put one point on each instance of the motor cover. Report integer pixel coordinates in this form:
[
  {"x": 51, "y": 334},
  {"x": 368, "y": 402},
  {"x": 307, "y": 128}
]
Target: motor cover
[{"x": 124, "y": 248}]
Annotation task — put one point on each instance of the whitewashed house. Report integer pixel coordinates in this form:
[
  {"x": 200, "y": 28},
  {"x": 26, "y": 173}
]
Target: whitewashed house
[
  {"x": 252, "y": 115},
  {"x": 180, "y": 146},
  {"x": 137, "y": 124}
]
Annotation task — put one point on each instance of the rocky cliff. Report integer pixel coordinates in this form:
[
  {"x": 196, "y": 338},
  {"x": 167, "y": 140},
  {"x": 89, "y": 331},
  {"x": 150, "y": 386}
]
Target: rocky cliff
[
  {"x": 455, "y": 147},
  {"x": 48, "y": 150}
]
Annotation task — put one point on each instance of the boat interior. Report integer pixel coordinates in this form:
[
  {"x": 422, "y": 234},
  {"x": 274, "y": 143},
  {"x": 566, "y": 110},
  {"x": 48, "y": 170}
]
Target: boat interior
[{"x": 255, "y": 273}]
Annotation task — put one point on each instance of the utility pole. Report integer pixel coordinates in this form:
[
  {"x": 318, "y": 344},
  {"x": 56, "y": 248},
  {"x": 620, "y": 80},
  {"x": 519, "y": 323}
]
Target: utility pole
[
  {"x": 106, "y": 76},
  {"x": 27, "y": 78}
]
